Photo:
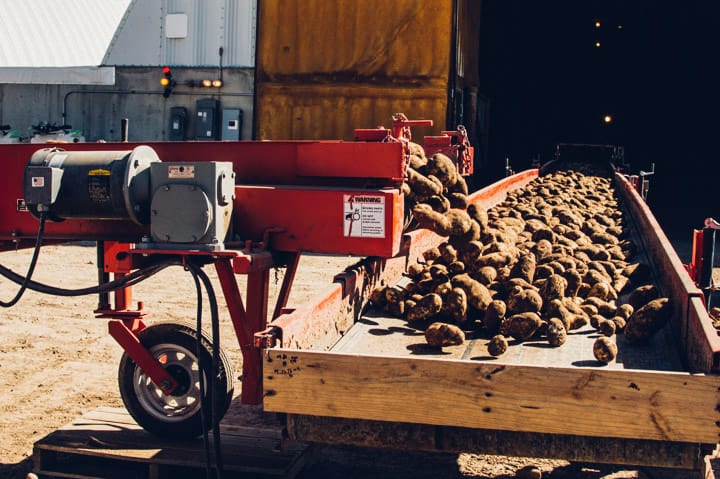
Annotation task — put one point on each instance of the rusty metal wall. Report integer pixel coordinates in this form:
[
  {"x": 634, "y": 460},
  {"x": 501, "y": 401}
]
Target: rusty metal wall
[{"x": 325, "y": 68}]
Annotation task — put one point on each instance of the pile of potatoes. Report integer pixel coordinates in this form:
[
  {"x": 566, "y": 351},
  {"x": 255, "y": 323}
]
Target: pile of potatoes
[{"x": 551, "y": 258}]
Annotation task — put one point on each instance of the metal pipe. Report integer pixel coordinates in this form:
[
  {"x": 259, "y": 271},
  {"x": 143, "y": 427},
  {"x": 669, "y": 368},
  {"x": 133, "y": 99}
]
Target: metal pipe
[
  {"x": 124, "y": 122},
  {"x": 142, "y": 92}
]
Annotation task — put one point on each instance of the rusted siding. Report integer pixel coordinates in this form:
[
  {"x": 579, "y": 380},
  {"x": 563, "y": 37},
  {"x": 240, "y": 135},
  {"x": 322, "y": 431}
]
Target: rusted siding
[
  {"x": 294, "y": 111},
  {"x": 325, "y": 68},
  {"x": 350, "y": 39}
]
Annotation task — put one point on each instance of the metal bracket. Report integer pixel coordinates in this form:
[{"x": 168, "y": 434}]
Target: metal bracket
[{"x": 267, "y": 338}]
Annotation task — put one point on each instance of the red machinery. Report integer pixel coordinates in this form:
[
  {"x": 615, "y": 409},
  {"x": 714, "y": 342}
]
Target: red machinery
[{"x": 290, "y": 197}]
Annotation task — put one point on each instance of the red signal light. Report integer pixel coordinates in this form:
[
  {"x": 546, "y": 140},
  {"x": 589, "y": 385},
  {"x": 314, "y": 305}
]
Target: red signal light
[{"x": 167, "y": 81}]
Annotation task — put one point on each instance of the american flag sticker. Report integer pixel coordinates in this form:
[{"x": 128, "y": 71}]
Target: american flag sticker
[{"x": 38, "y": 181}]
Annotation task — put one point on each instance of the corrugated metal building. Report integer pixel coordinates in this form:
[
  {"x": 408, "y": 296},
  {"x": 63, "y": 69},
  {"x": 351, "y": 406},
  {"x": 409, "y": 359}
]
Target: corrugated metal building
[
  {"x": 323, "y": 67},
  {"x": 89, "y": 63}
]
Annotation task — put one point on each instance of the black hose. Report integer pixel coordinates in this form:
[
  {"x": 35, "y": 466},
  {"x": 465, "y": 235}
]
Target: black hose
[
  {"x": 199, "y": 354},
  {"x": 128, "y": 280},
  {"x": 33, "y": 262},
  {"x": 215, "y": 367}
]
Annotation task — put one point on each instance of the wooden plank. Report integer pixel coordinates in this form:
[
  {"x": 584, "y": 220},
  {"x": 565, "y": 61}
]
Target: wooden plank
[
  {"x": 420, "y": 437},
  {"x": 697, "y": 337},
  {"x": 379, "y": 334},
  {"x": 106, "y": 439},
  {"x": 580, "y": 401}
]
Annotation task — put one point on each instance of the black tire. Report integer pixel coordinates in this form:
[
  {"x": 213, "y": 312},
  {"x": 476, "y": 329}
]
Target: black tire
[{"x": 175, "y": 415}]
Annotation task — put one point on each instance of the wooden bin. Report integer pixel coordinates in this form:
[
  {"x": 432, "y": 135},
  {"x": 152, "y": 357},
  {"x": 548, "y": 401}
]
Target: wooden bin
[{"x": 346, "y": 374}]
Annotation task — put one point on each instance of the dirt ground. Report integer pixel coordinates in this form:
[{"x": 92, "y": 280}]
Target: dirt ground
[{"x": 58, "y": 362}]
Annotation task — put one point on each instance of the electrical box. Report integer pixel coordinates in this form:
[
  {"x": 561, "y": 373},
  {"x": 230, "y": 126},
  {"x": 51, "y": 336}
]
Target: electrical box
[
  {"x": 206, "y": 119},
  {"x": 178, "y": 123},
  {"x": 42, "y": 185},
  {"x": 191, "y": 205},
  {"x": 231, "y": 125}
]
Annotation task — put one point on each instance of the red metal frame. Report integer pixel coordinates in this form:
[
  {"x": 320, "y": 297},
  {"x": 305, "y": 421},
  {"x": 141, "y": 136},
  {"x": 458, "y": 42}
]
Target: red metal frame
[
  {"x": 290, "y": 197},
  {"x": 454, "y": 144}
]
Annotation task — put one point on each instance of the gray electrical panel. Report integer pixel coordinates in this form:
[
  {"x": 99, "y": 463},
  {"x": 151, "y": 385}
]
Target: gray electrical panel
[
  {"x": 206, "y": 119},
  {"x": 231, "y": 124},
  {"x": 191, "y": 206}
]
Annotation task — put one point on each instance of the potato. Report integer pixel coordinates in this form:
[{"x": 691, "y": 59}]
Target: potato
[
  {"x": 440, "y": 334},
  {"x": 432, "y": 220},
  {"x": 556, "y": 332},
  {"x": 553, "y": 288},
  {"x": 606, "y": 327},
  {"x": 497, "y": 345},
  {"x": 525, "y": 267},
  {"x": 524, "y": 300},
  {"x": 648, "y": 320},
  {"x": 422, "y": 186},
  {"x": 442, "y": 167},
  {"x": 479, "y": 214},
  {"x": 642, "y": 295},
  {"x": 478, "y": 296},
  {"x": 494, "y": 315},
  {"x": 455, "y": 305},
  {"x": 604, "y": 349},
  {"x": 625, "y": 311},
  {"x": 485, "y": 274},
  {"x": 521, "y": 326},
  {"x": 427, "y": 307},
  {"x": 377, "y": 296}
]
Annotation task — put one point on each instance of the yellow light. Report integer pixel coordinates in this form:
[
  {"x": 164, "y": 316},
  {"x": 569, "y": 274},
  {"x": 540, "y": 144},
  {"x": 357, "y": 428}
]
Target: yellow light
[
  {"x": 164, "y": 81},
  {"x": 206, "y": 83},
  {"x": 597, "y": 44},
  {"x": 217, "y": 83},
  {"x": 607, "y": 119},
  {"x": 597, "y": 24}
]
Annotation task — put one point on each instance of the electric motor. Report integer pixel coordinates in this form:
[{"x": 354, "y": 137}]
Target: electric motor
[{"x": 94, "y": 185}]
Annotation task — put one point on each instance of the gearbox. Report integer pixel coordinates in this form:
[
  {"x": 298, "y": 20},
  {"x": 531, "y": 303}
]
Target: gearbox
[{"x": 191, "y": 205}]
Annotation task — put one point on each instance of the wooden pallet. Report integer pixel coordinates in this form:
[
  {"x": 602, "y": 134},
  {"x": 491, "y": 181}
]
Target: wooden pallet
[{"x": 107, "y": 443}]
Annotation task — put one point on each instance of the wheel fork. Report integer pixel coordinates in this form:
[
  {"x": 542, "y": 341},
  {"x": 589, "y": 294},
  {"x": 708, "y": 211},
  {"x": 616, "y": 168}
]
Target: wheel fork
[{"x": 124, "y": 332}]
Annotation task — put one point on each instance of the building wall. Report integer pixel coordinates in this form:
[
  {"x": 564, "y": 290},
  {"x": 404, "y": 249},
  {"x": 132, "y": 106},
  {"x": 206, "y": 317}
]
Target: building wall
[
  {"x": 137, "y": 96},
  {"x": 193, "y": 36},
  {"x": 325, "y": 68}
]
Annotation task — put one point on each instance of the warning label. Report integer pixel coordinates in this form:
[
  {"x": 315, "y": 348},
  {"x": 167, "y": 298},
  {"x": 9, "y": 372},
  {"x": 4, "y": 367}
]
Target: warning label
[{"x": 364, "y": 216}]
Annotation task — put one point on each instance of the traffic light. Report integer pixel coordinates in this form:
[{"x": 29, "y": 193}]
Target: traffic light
[{"x": 167, "y": 81}]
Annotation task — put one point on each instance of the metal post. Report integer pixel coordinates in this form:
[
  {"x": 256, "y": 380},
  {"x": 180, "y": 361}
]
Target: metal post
[
  {"x": 124, "y": 122},
  {"x": 708, "y": 260}
]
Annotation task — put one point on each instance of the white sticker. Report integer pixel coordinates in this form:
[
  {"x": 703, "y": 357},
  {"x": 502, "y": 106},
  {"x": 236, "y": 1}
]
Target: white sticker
[
  {"x": 364, "y": 216},
  {"x": 181, "y": 171},
  {"x": 37, "y": 182}
]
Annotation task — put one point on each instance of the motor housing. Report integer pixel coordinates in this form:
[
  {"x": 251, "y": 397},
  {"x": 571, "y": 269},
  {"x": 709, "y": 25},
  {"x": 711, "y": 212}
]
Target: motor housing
[{"x": 90, "y": 185}]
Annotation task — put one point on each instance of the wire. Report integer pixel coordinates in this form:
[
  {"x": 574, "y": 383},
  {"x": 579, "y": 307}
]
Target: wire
[
  {"x": 33, "y": 262},
  {"x": 197, "y": 272},
  {"x": 199, "y": 355},
  {"x": 128, "y": 280}
]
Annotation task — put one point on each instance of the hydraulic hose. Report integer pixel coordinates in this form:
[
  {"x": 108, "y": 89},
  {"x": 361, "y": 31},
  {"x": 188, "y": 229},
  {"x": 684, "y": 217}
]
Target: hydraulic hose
[
  {"x": 200, "y": 275},
  {"x": 33, "y": 262},
  {"x": 129, "y": 280}
]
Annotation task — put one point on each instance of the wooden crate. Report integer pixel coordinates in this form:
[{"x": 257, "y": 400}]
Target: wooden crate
[
  {"x": 107, "y": 443},
  {"x": 656, "y": 404}
]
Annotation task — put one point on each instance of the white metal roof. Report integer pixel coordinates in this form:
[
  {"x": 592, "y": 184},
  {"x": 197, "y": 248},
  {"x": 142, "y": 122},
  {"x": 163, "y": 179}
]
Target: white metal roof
[{"x": 57, "y": 38}]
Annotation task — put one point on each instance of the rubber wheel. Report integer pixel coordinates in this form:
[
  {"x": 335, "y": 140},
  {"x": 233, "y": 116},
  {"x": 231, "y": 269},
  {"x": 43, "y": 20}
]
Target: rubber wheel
[{"x": 175, "y": 415}]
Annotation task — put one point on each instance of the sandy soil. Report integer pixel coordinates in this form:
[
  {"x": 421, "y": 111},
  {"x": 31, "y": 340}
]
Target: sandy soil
[{"x": 58, "y": 362}]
